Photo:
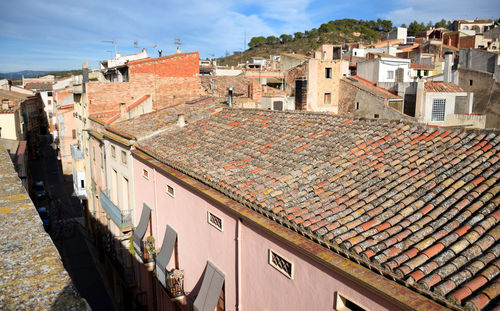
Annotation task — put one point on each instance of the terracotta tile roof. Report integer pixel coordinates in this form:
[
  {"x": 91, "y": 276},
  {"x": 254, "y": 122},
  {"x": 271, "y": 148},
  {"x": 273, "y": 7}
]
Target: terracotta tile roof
[
  {"x": 32, "y": 276},
  {"x": 106, "y": 117},
  {"x": 371, "y": 88},
  {"x": 297, "y": 56},
  {"x": 272, "y": 92},
  {"x": 419, "y": 66},
  {"x": 160, "y": 120},
  {"x": 38, "y": 86},
  {"x": 221, "y": 83},
  {"x": 442, "y": 87},
  {"x": 414, "y": 203},
  {"x": 138, "y": 102}
]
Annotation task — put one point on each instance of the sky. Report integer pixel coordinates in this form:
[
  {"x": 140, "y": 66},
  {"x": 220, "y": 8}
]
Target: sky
[{"x": 61, "y": 34}]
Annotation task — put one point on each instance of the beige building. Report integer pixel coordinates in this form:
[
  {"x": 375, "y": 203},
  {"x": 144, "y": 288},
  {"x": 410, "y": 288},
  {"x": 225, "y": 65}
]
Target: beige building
[
  {"x": 319, "y": 87},
  {"x": 477, "y": 25}
]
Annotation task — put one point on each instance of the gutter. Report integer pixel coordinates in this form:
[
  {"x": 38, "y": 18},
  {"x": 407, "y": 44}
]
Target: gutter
[{"x": 330, "y": 256}]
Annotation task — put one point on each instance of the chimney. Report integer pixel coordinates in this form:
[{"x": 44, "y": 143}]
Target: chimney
[
  {"x": 181, "y": 121},
  {"x": 178, "y": 50},
  {"x": 230, "y": 96},
  {"x": 447, "y": 67},
  {"x": 117, "y": 55},
  {"x": 123, "y": 111},
  {"x": 159, "y": 53},
  {"x": 85, "y": 72},
  {"x": 5, "y": 104}
]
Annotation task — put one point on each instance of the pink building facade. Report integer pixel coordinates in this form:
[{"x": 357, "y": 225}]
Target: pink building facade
[{"x": 242, "y": 249}]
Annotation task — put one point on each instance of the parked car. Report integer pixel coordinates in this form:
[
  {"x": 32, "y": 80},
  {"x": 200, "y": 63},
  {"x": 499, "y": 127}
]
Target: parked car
[
  {"x": 40, "y": 189},
  {"x": 44, "y": 215}
]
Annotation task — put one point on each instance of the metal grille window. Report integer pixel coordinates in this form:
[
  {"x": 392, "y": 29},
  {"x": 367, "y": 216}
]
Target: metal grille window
[
  {"x": 281, "y": 264},
  {"x": 215, "y": 221},
  {"x": 438, "y": 109},
  {"x": 390, "y": 74},
  {"x": 170, "y": 190}
]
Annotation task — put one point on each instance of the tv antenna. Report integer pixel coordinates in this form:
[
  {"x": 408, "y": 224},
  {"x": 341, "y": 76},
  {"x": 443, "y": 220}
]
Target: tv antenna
[
  {"x": 178, "y": 43},
  {"x": 136, "y": 44},
  {"x": 113, "y": 42}
]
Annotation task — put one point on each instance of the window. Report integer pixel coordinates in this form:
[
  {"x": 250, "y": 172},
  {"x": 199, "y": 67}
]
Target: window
[
  {"x": 357, "y": 105},
  {"x": 438, "y": 109},
  {"x": 113, "y": 151},
  {"x": 328, "y": 73},
  {"x": 214, "y": 221},
  {"x": 124, "y": 157},
  {"x": 125, "y": 193},
  {"x": 327, "y": 99},
  {"x": 221, "y": 305},
  {"x": 426, "y": 72},
  {"x": 73, "y": 134},
  {"x": 170, "y": 190},
  {"x": 390, "y": 74},
  {"x": 82, "y": 184},
  {"x": 343, "y": 304},
  {"x": 470, "y": 82},
  {"x": 281, "y": 264},
  {"x": 145, "y": 173},
  {"x": 466, "y": 27},
  {"x": 376, "y": 116},
  {"x": 49, "y": 93}
]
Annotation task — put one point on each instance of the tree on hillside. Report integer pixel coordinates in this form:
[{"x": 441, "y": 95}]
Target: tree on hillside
[
  {"x": 298, "y": 35},
  {"x": 256, "y": 42},
  {"x": 286, "y": 38},
  {"x": 415, "y": 28},
  {"x": 403, "y": 25},
  {"x": 272, "y": 40},
  {"x": 385, "y": 25}
]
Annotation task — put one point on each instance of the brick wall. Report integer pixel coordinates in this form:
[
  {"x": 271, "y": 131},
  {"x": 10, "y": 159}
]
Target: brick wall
[
  {"x": 169, "y": 80},
  {"x": 255, "y": 91}
]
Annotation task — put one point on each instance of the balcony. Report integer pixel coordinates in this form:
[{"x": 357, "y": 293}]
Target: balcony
[
  {"x": 126, "y": 273},
  {"x": 76, "y": 153},
  {"x": 123, "y": 219}
]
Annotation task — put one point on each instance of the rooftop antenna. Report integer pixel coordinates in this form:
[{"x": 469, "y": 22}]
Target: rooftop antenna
[
  {"x": 178, "y": 43},
  {"x": 113, "y": 42},
  {"x": 136, "y": 44}
]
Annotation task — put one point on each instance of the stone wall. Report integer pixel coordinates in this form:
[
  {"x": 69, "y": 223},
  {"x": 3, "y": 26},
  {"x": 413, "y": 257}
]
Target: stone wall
[
  {"x": 486, "y": 94},
  {"x": 361, "y": 103}
]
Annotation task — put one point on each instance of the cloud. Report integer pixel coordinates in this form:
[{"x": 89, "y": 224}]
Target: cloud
[{"x": 407, "y": 11}]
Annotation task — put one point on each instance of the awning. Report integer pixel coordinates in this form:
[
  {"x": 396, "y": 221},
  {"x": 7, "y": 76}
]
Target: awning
[
  {"x": 141, "y": 228},
  {"x": 210, "y": 289},
  {"x": 163, "y": 257}
]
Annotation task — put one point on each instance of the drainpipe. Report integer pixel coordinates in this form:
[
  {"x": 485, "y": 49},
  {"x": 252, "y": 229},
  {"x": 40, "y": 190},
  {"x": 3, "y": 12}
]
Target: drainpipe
[{"x": 238, "y": 266}]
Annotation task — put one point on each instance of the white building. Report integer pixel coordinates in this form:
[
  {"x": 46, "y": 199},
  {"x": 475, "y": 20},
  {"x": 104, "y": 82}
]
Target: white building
[{"x": 385, "y": 70}]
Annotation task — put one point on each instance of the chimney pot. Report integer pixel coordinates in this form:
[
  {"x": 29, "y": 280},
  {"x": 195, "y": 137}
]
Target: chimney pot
[{"x": 181, "y": 121}]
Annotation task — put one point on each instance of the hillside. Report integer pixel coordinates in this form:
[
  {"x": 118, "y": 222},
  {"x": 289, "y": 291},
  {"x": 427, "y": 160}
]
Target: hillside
[
  {"x": 35, "y": 74},
  {"x": 334, "y": 32}
]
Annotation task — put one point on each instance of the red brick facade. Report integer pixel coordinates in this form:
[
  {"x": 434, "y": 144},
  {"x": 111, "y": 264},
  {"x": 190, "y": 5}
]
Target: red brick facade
[{"x": 169, "y": 80}]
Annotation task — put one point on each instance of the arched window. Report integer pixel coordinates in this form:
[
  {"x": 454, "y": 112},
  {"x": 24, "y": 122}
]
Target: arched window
[{"x": 466, "y": 27}]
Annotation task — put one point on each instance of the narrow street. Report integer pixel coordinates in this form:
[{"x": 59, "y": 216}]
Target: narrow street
[{"x": 67, "y": 228}]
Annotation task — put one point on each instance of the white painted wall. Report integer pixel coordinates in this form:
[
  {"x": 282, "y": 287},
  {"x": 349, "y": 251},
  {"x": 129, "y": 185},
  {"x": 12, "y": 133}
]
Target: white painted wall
[
  {"x": 392, "y": 64},
  {"x": 368, "y": 70},
  {"x": 9, "y": 126}
]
